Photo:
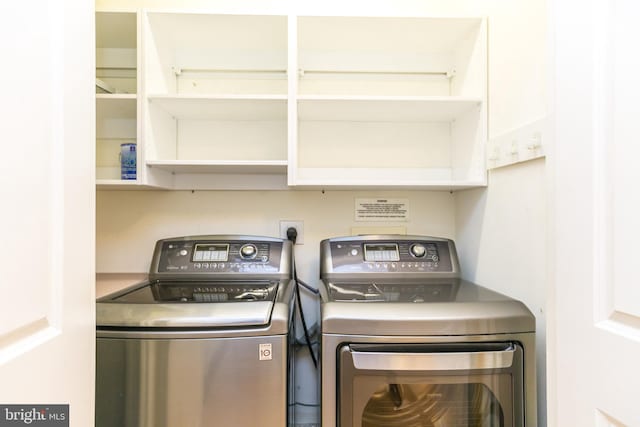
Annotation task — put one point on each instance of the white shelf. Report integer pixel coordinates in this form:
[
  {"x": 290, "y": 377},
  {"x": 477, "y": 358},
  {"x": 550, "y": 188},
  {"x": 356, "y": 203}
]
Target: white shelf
[
  {"x": 116, "y": 184},
  {"x": 434, "y": 178},
  {"x": 222, "y": 107},
  {"x": 116, "y": 105},
  {"x": 116, "y": 96},
  {"x": 385, "y": 109},
  {"x": 249, "y": 167}
]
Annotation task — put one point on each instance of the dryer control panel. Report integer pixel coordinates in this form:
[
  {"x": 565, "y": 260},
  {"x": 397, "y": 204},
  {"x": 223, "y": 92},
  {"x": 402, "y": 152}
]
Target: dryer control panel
[
  {"x": 214, "y": 255},
  {"x": 386, "y": 255}
]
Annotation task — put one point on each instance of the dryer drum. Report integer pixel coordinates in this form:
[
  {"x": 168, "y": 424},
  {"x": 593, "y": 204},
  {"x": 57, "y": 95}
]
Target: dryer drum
[{"x": 433, "y": 405}]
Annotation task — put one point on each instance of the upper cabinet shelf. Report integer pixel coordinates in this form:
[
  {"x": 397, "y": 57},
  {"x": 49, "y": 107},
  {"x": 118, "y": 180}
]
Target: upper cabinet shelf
[
  {"x": 116, "y": 52},
  {"x": 215, "y": 54},
  {"x": 236, "y": 101},
  {"x": 116, "y": 95},
  {"x": 216, "y": 104},
  {"x": 389, "y": 56},
  {"x": 205, "y": 107},
  {"x": 387, "y": 101},
  {"x": 385, "y": 109}
]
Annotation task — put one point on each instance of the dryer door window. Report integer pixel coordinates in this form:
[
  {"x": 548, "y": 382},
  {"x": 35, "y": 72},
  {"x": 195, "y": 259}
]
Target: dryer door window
[{"x": 431, "y": 385}]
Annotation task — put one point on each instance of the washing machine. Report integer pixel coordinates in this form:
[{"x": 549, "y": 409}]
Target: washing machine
[
  {"x": 204, "y": 342},
  {"x": 407, "y": 343}
]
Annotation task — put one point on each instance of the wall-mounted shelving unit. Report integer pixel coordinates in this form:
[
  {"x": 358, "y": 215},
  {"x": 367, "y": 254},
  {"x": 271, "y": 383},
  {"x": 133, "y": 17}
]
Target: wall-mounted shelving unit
[
  {"x": 276, "y": 102},
  {"x": 116, "y": 95}
]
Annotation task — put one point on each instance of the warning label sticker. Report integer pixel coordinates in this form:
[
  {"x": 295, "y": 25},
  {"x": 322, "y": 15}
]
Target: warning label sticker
[{"x": 391, "y": 210}]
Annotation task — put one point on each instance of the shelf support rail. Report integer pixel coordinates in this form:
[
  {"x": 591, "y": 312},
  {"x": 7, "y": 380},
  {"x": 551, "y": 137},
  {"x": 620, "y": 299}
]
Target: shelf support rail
[
  {"x": 448, "y": 74},
  {"x": 178, "y": 70},
  {"x": 302, "y": 72}
]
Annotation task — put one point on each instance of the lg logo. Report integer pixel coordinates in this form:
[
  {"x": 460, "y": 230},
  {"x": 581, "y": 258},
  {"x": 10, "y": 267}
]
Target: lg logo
[{"x": 265, "y": 352}]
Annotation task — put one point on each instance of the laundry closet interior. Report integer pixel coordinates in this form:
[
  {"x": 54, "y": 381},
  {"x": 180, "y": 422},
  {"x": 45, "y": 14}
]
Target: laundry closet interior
[{"x": 247, "y": 116}]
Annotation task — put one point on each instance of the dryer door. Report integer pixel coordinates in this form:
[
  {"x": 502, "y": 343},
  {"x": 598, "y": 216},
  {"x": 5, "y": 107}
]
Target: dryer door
[{"x": 411, "y": 385}]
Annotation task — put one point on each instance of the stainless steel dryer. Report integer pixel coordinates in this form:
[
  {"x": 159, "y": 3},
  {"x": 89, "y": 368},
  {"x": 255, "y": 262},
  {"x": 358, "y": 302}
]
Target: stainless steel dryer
[
  {"x": 204, "y": 342},
  {"x": 407, "y": 343}
]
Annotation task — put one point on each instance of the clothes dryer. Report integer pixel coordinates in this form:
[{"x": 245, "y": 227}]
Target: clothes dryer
[{"x": 406, "y": 342}]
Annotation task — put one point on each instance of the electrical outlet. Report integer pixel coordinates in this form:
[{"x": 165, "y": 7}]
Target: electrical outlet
[{"x": 298, "y": 225}]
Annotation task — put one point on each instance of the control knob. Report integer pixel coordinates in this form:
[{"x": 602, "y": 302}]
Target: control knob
[
  {"x": 418, "y": 250},
  {"x": 248, "y": 251}
]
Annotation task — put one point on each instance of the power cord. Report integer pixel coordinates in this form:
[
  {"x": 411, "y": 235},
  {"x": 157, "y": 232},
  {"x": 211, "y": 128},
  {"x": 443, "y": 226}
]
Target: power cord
[{"x": 292, "y": 234}]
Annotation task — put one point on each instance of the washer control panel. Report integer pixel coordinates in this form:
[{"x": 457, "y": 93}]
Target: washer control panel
[
  {"x": 208, "y": 256},
  {"x": 350, "y": 255}
]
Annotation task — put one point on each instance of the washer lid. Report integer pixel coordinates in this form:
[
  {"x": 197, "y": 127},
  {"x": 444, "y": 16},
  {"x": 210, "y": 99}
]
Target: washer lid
[
  {"x": 201, "y": 315},
  {"x": 194, "y": 304}
]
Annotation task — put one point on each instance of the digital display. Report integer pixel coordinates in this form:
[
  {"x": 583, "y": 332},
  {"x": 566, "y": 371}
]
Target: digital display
[
  {"x": 381, "y": 252},
  {"x": 210, "y": 252}
]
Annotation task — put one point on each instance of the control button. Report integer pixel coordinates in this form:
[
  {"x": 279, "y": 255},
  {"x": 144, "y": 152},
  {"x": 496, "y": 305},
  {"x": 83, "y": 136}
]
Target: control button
[
  {"x": 418, "y": 250},
  {"x": 434, "y": 258},
  {"x": 197, "y": 265},
  {"x": 205, "y": 265},
  {"x": 394, "y": 265},
  {"x": 248, "y": 251},
  {"x": 183, "y": 252},
  {"x": 354, "y": 252}
]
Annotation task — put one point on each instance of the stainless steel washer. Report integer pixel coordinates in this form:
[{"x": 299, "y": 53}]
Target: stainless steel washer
[
  {"x": 407, "y": 343},
  {"x": 204, "y": 342}
]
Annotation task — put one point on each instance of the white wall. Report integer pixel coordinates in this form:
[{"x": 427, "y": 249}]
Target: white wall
[
  {"x": 130, "y": 222},
  {"x": 502, "y": 243}
]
